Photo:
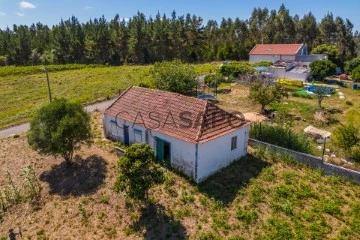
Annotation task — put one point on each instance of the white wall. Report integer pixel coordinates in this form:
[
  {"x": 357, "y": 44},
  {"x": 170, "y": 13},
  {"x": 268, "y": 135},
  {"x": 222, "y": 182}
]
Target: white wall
[
  {"x": 287, "y": 58},
  {"x": 182, "y": 153},
  {"x": 260, "y": 58},
  {"x": 217, "y": 153}
]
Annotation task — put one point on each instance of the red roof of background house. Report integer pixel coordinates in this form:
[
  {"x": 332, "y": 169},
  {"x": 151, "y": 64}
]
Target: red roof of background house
[
  {"x": 276, "y": 49},
  {"x": 142, "y": 105}
]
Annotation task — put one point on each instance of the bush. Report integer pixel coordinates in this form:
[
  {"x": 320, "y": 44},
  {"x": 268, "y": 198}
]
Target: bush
[
  {"x": 352, "y": 64},
  {"x": 214, "y": 79},
  {"x": 303, "y": 95},
  {"x": 137, "y": 172},
  {"x": 355, "y": 74},
  {"x": 236, "y": 68},
  {"x": 355, "y": 153},
  {"x": 175, "y": 76},
  {"x": 284, "y": 81},
  {"x": 281, "y": 136},
  {"x": 262, "y": 64},
  {"x": 323, "y": 68}
]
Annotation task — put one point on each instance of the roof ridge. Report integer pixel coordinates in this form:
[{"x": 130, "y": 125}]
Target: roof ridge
[
  {"x": 122, "y": 94},
  {"x": 198, "y": 135}
]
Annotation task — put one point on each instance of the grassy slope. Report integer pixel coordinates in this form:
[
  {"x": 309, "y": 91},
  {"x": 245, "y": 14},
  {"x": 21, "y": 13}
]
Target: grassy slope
[
  {"x": 258, "y": 197},
  {"x": 21, "y": 94}
]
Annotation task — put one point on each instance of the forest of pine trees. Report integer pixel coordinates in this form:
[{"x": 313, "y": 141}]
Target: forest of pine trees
[{"x": 142, "y": 40}]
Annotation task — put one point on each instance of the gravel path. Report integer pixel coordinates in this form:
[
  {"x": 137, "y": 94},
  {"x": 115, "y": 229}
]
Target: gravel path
[{"x": 25, "y": 126}]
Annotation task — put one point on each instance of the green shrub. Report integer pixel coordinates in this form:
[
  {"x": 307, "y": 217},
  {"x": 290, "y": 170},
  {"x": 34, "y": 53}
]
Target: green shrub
[
  {"x": 323, "y": 68},
  {"x": 236, "y": 69},
  {"x": 303, "y": 95},
  {"x": 355, "y": 74},
  {"x": 355, "y": 153},
  {"x": 213, "y": 80},
  {"x": 262, "y": 64},
  {"x": 281, "y": 136},
  {"x": 352, "y": 64}
]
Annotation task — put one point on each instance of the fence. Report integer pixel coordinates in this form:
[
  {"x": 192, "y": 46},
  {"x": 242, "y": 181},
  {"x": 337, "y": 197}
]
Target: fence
[{"x": 311, "y": 161}]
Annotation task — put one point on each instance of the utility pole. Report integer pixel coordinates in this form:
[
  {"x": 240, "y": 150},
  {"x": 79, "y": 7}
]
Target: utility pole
[{"x": 48, "y": 82}]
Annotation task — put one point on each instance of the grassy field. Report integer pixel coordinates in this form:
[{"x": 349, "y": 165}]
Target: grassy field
[
  {"x": 257, "y": 197},
  {"x": 23, "y": 93},
  {"x": 235, "y": 98}
]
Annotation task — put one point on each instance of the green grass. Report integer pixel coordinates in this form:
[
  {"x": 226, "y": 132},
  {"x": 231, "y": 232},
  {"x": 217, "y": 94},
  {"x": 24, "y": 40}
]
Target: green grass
[
  {"x": 266, "y": 198},
  {"x": 22, "y": 93}
]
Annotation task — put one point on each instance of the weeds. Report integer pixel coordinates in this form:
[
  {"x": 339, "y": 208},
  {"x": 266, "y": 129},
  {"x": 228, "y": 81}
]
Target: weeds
[{"x": 12, "y": 194}]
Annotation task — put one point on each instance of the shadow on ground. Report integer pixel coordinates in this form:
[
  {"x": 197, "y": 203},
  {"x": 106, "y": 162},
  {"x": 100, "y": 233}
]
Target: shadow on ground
[
  {"x": 224, "y": 185},
  {"x": 83, "y": 176},
  {"x": 157, "y": 224}
]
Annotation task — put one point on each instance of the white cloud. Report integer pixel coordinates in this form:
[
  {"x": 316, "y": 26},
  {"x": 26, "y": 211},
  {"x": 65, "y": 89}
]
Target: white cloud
[
  {"x": 2, "y": 14},
  {"x": 124, "y": 19},
  {"x": 24, "y": 4},
  {"x": 88, "y": 7},
  {"x": 20, "y": 14}
]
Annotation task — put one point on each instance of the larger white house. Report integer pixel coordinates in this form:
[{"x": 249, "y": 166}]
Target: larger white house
[
  {"x": 277, "y": 52},
  {"x": 194, "y": 135}
]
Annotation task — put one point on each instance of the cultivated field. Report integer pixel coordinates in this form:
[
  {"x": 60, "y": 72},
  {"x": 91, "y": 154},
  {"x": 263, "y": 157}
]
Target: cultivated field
[
  {"x": 22, "y": 93},
  {"x": 258, "y": 197}
]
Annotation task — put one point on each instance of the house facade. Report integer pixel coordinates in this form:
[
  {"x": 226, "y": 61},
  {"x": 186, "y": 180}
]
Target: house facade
[
  {"x": 193, "y": 135},
  {"x": 290, "y": 61},
  {"x": 277, "y": 52}
]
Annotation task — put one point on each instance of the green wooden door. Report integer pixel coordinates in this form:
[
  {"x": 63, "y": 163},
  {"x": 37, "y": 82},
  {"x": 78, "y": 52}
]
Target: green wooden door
[{"x": 159, "y": 149}]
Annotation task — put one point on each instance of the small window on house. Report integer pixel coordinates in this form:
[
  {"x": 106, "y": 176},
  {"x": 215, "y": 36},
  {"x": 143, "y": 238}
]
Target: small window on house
[
  {"x": 233, "y": 142},
  {"x": 137, "y": 136}
]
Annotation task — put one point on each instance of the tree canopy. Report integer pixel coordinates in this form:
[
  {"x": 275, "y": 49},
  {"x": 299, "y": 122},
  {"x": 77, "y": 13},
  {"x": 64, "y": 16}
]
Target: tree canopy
[
  {"x": 143, "y": 40},
  {"x": 137, "y": 172},
  {"x": 265, "y": 92},
  {"x": 59, "y": 128},
  {"x": 352, "y": 64},
  {"x": 322, "y": 68},
  {"x": 355, "y": 74},
  {"x": 175, "y": 76}
]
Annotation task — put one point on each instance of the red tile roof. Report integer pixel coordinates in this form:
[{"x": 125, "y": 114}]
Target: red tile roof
[
  {"x": 186, "y": 118},
  {"x": 276, "y": 49}
]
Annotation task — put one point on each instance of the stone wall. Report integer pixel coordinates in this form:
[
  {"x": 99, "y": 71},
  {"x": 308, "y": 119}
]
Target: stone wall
[{"x": 311, "y": 161}]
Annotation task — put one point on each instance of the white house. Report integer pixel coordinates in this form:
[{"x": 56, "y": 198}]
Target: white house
[
  {"x": 277, "y": 52},
  {"x": 194, "y": 135},
  {"x": 291, "y": 61}
]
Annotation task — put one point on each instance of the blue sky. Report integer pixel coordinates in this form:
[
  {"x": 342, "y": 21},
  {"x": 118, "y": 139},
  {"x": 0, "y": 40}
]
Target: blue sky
[{"x": 50, "y": 12}]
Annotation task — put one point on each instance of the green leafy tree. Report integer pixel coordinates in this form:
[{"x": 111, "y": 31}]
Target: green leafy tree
[
  {"x": 137, "y": 172},
  {"x": 235, "y": 69},
  {"x": 331, "y": 50},
  {"x": 265, "y": 92},
  {"x": 60, "y": 128},
  {"x": 322, "y": 68},
  {"x": 355, "y": 74},
  {"x": 347, "y": 136},
  {"x": 352, "y": 64},
  {"x": 175, "y": 76},
  {"x": 213, "y": 80},
  {"x": 321, "y": 93}
]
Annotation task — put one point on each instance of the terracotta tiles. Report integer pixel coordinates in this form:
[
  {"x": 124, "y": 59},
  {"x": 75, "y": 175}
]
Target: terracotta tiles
[
  {"x": 187, "y": 118},
  {"x": 276, "y": 49}
]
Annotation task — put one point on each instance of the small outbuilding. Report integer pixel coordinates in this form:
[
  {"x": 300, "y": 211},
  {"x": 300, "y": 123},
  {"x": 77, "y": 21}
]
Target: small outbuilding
[{"x": 193, "y": 135}]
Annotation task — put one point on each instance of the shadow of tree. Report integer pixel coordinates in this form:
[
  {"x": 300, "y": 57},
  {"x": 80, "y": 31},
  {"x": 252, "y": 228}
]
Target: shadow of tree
[
  {"x": 83, "y": 176},
  {"x": 224, "y": 185},
  {"x": 158, "y": 224}
]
